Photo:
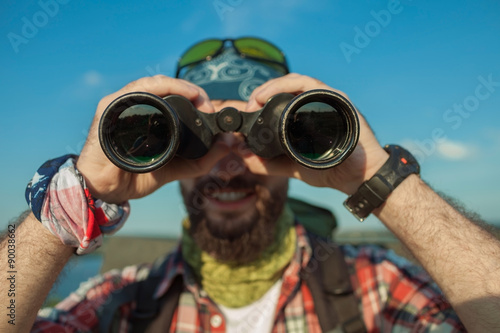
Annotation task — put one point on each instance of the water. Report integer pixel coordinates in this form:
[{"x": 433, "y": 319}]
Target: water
[{"x": 78, "y": 270}]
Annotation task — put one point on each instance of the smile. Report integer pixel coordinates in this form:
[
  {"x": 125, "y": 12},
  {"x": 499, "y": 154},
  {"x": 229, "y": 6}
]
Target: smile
[{"x": 229, "y": 196}]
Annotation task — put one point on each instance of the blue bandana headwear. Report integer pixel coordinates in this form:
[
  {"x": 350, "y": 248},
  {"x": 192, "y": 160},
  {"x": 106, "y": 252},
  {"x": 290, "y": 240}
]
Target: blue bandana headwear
[{"x": 229, "y": 76}]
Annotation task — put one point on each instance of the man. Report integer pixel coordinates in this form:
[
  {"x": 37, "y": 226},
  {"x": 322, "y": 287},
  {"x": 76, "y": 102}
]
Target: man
[{"x": 242, "y": 254}]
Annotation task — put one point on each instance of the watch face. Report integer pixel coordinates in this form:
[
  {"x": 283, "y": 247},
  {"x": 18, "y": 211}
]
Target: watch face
[{"x": 404, "y": 164}]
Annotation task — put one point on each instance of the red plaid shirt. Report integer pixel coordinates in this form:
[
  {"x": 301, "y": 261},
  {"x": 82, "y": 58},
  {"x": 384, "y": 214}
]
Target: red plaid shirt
[{"x": 395, "y": 296}]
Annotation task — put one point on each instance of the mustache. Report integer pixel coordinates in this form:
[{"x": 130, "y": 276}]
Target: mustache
[{"x": 210, "y": 184}]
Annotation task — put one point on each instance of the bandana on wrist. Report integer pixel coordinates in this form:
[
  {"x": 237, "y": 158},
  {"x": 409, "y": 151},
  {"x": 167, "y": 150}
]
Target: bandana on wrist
[
  {"x": 235, "y": 285},
  {"x": 61, "y": 201}
]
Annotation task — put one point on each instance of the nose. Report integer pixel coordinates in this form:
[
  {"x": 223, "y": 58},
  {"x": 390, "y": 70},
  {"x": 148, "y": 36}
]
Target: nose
[
  {"x": 234, "y": 141},
  {"x": 232, "y": 164}
]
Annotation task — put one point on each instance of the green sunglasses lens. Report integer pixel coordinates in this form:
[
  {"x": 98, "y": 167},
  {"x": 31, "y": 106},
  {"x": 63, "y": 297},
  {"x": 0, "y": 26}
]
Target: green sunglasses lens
[
  {"x": 259, "y": 49},
  {"x": 200, "y": 51}
]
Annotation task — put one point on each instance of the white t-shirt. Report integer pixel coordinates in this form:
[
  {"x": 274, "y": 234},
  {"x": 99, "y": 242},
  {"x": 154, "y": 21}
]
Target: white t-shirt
[{"x": 256, "y": 317}]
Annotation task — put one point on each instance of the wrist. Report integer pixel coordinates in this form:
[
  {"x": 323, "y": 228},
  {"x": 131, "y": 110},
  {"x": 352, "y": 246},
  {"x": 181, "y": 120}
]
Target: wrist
[
  {"x": 374, "y": 163},
  {"x": 101, "y": 181},
  {"x": 375, "y": 191},
  {"x": 92, "y": 177}
]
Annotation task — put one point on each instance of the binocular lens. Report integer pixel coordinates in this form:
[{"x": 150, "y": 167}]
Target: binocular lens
[
  {"x": 315, "y": 130},
  {"x": 319, "y": 128},
  {"x": 140, "y": 134}
]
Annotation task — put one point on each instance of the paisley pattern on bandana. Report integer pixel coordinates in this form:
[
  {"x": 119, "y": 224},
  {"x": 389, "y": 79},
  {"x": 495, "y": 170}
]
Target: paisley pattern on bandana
[{"x": 229, "y": 76}]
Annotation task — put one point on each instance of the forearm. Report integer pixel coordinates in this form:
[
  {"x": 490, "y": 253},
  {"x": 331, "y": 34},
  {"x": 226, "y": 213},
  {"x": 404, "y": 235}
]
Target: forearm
[
  {"x": 462, "y": 257},
  {"x": 38, "y": 259}
]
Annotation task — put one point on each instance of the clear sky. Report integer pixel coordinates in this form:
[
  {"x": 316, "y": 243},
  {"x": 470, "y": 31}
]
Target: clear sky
[{"x": 425, "y": 73}]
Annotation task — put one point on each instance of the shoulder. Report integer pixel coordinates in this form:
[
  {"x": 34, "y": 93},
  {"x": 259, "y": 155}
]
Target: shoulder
[
  {"x": 372, "y": 256},
  {"x": 375, "y": 265},
  {"x": 395, "y": 291}
]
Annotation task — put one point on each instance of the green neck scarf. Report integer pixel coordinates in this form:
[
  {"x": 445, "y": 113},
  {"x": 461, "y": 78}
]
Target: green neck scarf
[{"x": 234, "y": 285}]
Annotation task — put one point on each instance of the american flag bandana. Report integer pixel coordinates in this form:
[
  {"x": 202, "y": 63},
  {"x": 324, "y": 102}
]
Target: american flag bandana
[{"x": 61, "y": 201}]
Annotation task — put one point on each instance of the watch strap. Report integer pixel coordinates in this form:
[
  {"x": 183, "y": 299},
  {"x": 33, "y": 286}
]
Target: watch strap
[{"x": 373, "y": 193}]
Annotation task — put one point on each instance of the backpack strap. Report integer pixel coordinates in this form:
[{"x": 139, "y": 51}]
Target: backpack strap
[
  {"x": 147, "y": 308},
  {"x": 327, "y": 277},
  {"x": 109, "y": 317},
  {"x": 315, "y": 219}
]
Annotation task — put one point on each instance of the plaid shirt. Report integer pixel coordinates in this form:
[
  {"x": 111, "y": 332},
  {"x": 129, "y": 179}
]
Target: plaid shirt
[{"x": 395, "y": 296}]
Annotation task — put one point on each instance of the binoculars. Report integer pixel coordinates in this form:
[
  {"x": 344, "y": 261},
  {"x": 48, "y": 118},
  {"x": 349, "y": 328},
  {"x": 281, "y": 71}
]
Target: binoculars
[{"x": 140, "y": 132}]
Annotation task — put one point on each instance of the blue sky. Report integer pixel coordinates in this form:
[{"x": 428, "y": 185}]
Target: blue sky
[{"x": 426, "y": 74}]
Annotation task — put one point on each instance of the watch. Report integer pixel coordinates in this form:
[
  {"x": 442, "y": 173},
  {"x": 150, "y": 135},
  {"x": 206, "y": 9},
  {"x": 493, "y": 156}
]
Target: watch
[{"x": 373, "y": 193}]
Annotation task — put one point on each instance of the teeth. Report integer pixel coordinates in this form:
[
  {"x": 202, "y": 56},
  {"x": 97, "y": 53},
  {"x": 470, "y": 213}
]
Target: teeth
[{"x": 229, "y": 196}]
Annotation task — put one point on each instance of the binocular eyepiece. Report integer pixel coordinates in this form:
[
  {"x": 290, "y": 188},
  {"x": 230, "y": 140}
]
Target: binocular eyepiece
[{"x": 140, "y": 132}]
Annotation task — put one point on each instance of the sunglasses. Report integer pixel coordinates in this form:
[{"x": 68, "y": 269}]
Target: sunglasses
[{"x": 248, "y": 47}]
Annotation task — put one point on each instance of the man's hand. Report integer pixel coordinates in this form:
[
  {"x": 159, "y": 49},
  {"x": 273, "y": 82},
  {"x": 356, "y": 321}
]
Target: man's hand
[
  {"x": 363, "y": 163},
  {"x": 113, "y": 185}
]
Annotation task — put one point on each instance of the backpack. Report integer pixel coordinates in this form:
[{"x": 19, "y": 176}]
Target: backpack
[{"x": 327, "y": 278}]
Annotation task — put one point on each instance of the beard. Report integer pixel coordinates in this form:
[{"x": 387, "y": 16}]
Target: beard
[{"x": 235, "y": 237}]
